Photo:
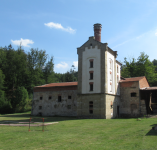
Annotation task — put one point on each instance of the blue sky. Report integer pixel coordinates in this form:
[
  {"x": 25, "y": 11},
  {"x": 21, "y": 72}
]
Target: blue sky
[{"x": 60, "y": 26}]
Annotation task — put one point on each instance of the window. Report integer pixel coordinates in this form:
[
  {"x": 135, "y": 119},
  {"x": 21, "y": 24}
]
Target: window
[
  {"x": 40, "y": 107},
  {"x": 111, "y": 62},
  {"x": 117, "y": 69},
  {"x": 91, "y": 63},
  {"x": 110, "y": 87},
  {"x": 69, "y": 106},
  {"x": 110, "y": 76},
  {"x": 91, "y": 107},
  {"x": 133, "y": 94},
  {"x": 59, "y": 98},
  {"x": 40, "y": 114},
  {"x": 91, "y": 86},
  {"x": 91, "y": 44},
  {"x": 41, "y": 97},
  {"x": 69, "y": 97},
  {"x": 91, "y": 75},
  {"x": 117, "y": 79},
  {"x": 50, "y": 97}
]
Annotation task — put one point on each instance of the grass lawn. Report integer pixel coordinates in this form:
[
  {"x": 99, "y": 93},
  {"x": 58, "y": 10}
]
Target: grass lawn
[{"x": 79, "y": 134}]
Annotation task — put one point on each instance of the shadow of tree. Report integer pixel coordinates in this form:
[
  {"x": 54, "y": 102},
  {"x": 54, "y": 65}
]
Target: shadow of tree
[
  {"x": 152, "y": 132},
  {"x": 6, "y": 119}
]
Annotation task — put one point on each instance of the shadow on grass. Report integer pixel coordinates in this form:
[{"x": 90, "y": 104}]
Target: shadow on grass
[
  {"x": 25, "y": 117},
  {"x": 152, "y": 131}
]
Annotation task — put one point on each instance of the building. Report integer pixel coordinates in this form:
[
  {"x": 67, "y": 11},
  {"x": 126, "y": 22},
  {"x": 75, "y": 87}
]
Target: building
[{"x": 99, "y": 92}]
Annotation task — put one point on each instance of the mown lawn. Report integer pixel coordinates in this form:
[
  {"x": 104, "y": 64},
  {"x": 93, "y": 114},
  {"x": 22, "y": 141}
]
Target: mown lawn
[{"x": 79, "y": 134}]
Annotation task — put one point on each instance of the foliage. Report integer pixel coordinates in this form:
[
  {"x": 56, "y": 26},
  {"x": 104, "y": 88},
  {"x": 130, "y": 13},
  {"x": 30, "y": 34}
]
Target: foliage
[
  {"x": 19, "y": 99},
  {"x": 142, "y": 67},
  {"x": 23, "y": 71},
  {"x": 69, "y": 76}
]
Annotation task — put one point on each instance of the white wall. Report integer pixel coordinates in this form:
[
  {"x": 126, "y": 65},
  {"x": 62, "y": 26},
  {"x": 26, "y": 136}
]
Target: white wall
[
  {"x": 110, "y": 57},
  {"x": 118, "y": 74},
  {"x": 92, "y": 53}
]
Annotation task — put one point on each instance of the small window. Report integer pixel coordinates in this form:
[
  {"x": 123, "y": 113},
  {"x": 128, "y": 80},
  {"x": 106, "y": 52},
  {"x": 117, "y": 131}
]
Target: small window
[
  {"x": 117, "y": 79},
  {"x": 133, "y": 94},
  {"x": 91, "y": 44},
  {"x": 59, "y": 98},
  {"x": 69, "y": 97},
  {"x": 69, "y": 106},
  {"x": 40, "y": 114},
  {"x": 40, "y": 107},
  {"x": 111, "y": 63},
  {"x": 41, "y": 97},
  {"x": 91, "y": 76},
  {"x": 110, "y": 76},
  {"x": 117, "y": 69},
  {"x": 91, "y": 87},
  {"x": 91, "y": 63},
  {"x": 91, "y": 107},
  {"x": 110, "y": 87},
  {"x": 50, "y": 97}
]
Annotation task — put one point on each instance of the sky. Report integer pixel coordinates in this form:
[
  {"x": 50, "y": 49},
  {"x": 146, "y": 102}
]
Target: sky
[{"x": 61, "y": 26}]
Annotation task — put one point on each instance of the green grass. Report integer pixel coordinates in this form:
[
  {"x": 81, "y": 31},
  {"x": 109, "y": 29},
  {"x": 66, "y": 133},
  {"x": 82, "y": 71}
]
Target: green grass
[{"x": 79, "y": 134}]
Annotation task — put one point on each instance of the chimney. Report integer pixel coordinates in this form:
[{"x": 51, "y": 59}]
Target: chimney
[{"x": 97, "y": 32}]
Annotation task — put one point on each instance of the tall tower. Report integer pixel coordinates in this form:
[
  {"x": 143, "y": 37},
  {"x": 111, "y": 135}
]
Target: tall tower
[{"x": 96, "y": 77}]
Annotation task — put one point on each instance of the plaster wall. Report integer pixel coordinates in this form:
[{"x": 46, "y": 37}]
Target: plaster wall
[
  {"x": 111, "y": 73},
  {"x": 118, "y": 79},
  {"x": 91, "y": 53}
]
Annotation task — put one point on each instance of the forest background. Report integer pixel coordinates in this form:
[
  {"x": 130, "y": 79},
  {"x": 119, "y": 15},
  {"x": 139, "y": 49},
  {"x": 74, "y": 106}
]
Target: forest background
[{"x": 21, "y": 71}]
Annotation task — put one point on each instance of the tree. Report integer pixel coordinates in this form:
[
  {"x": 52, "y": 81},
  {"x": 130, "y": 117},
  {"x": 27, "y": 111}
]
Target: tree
[
  {"x": 142, "y": 67},
  {"x": 20, "y": 98}
]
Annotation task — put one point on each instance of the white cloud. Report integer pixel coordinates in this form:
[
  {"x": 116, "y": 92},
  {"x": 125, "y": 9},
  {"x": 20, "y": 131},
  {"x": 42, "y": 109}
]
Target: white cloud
[
  {"x": 156, "y": 33},
  {"x": 75, "y": 64},
  {"x": 62, "y": 65},
  {"x": 23, "y": 42},
  {"x": 59, "y": 26}
]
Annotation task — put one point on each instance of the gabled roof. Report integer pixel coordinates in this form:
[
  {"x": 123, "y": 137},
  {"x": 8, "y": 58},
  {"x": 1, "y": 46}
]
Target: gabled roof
[
  {"x": 132, "y": 79},
  {"x": 58, "y": 84}
]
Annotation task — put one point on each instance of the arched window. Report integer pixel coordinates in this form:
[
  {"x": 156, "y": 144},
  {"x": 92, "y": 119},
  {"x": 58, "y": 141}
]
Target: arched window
[{"x": 91, "y": 107}]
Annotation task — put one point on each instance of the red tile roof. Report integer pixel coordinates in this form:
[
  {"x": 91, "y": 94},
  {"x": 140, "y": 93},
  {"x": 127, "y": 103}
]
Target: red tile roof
[
  {"x": 58, "y": 84},
  {"x": 132, "y": 79}
]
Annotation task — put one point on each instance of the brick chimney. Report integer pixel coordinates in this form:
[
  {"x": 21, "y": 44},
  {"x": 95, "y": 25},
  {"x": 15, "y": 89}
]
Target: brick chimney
[{"x": 97, "y": 32}]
